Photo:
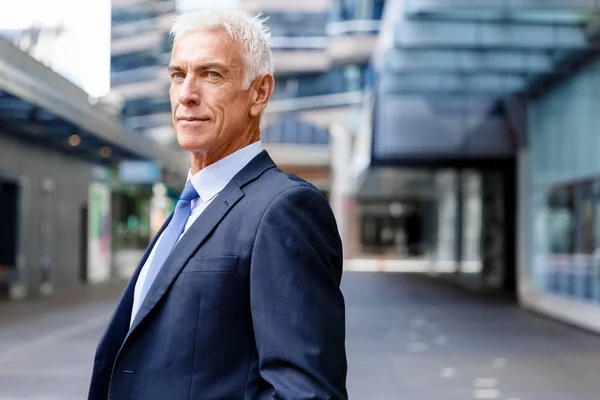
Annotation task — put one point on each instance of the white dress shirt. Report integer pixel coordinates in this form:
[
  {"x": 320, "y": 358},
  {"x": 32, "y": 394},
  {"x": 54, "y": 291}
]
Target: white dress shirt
[{"x": 208, "y": 182}]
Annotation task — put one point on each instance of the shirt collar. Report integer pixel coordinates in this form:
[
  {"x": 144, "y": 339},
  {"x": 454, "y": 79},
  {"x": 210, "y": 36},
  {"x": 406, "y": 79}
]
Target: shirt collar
[{"x": 209, "y": 181}]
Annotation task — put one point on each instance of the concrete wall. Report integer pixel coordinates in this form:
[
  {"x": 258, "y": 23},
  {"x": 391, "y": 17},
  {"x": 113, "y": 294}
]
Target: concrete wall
[{"x": 36, "y": 167}]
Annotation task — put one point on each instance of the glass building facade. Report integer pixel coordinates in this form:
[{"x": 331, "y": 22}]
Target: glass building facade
[
  {"x": 140, "y": 53},
  {"x": 357, "y": 10},
  {"x": 139, "y": 56},
  {"x": 296, "y": 24},
  {"x": 564, "y": 185},
  {"x": 305, "y": 31},
  {"x": 339, "y": 79}
]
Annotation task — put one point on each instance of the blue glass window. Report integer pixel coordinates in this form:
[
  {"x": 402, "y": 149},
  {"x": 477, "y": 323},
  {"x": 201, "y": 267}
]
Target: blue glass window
[
  {"x": 292, "y": 131},
  {"x": 146, "y": 106},
  {"x": 138, "y": 59},
  {"x": 132, "y": 14},
  {"x": 297, "y": 24},
  {"x": 336, "y": 80},
  {"x": 348, "y": 10}
]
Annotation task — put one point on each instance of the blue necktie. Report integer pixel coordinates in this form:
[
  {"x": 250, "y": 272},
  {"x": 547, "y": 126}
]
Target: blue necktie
[{"x": 170, "y": 236}]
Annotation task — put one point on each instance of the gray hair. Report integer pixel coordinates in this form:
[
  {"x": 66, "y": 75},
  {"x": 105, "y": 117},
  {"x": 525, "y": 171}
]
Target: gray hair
[{"x": 249, "y": 30}]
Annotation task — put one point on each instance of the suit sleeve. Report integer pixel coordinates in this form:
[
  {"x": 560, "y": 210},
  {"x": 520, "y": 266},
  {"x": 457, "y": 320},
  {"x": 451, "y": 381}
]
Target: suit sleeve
[{"x": 297, "y": 307}]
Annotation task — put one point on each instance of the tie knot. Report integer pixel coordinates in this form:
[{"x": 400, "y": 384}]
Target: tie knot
[{"x": 189, "y": 192}]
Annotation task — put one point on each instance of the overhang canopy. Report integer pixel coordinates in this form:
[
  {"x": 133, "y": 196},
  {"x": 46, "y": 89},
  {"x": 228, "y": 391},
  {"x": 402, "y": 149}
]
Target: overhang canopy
[
  {"x": 470, "y": 46},
  {"x": 556, "y": 11},
  {"x": 439, "y": 60},
  {"x": 452, "y": 83},
  {"x": 38, "y": 104},
  {"x": 509, "y": 35},
  {"x": 468, "y": 61}
]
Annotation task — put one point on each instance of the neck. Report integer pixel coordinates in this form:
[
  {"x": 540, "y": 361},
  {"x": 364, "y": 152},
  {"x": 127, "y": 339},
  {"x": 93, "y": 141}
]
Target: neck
[{"x": 202, "y": 159}]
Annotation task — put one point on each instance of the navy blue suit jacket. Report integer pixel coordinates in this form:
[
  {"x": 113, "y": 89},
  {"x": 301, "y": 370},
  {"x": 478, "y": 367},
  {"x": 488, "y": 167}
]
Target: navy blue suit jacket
[{"x": 247, "y": 306}]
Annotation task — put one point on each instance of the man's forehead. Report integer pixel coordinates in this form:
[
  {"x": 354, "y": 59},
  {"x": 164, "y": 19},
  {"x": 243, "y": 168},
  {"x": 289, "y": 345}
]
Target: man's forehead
[
  {"x": 206, "y": 44},
  {"x": 211, "y": 37}
]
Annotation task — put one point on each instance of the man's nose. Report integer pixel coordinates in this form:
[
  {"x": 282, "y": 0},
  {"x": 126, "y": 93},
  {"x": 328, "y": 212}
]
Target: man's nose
[{"x": 189, "y": 93}]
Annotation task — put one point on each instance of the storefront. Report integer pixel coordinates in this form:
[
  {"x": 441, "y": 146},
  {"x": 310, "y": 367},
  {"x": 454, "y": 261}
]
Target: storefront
[
  {"x": 560, "y": 203},
  {"x": 55, "y": 231},
  {"x": 140, "y": 204}
]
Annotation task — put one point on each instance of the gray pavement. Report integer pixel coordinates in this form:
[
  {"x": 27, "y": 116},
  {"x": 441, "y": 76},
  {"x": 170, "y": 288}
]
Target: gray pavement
[
  {"x": 409, "y": 338},
  {"x": 47, "y": 345},
  {"x": 413, "y": 338}
]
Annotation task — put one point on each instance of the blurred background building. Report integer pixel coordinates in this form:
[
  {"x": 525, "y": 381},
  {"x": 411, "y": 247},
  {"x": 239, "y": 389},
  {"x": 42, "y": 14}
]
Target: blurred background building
[{"x": 455, "y": 138}]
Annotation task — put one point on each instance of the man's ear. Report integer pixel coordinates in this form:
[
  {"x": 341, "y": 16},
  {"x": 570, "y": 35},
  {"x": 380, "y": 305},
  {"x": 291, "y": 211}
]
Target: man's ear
[{"x": 261, "y": 93}]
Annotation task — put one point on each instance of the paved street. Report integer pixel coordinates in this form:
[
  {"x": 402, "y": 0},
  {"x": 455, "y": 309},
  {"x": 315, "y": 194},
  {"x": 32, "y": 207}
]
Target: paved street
[
  {"x": 46, "y": 347},
  {"x": 413, "y": 338},
  {"x": 408, "y": 338}
]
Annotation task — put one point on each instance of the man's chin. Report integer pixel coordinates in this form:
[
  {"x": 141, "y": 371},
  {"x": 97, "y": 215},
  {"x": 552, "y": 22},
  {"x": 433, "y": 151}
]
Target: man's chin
[
  {"x": 192, "y": 148},
  {"x": 191, "y": 144}
]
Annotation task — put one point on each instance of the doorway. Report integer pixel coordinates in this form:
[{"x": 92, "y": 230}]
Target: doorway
[{"x": 9, "y": 200}]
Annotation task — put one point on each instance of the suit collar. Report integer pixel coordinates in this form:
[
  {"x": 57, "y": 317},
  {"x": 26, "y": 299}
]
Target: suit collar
[
  {"x": 255, "y": 168},
  {"x": 211, "y": 180}
]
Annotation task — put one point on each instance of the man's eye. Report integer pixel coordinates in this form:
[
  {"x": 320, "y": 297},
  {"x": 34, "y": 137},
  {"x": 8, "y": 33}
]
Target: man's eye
[
  {"x": 213, "y": 74},
  {"x": 177, "y": 77}
]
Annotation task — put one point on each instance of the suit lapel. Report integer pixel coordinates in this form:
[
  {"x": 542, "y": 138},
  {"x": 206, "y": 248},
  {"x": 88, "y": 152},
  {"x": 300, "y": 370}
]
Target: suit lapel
[
  {"x": 119, "y": 324},
  {"x": 197, "y": 234},
  {"x": 186, "y": 247},
  {"x": 126, "y": 302}
]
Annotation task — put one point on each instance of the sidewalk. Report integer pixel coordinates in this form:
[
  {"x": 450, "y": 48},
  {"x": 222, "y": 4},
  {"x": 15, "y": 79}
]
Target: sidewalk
[
  {"x": 414, "y": 338},
  {"x": 408, "y": 338},
  {"x": 47, "y": 344}
]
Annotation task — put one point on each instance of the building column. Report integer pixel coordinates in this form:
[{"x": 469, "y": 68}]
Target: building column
[
  {"x": 342, "y": 197},
  {"x": 448, "y": 226},
  {"x": 525, "y": 284}
]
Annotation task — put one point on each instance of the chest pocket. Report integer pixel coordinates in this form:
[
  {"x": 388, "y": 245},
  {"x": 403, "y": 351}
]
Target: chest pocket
[{"x": 211, "y": 265}]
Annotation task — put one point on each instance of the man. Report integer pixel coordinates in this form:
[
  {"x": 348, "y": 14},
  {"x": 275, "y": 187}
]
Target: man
[{"x": 238, "y": 296}]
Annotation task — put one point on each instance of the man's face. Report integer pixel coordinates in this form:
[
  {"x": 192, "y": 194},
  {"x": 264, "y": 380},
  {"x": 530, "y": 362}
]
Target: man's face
[{"x": 208, "y": 104}]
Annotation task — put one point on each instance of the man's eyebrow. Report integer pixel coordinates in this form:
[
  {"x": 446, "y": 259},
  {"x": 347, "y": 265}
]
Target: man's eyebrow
[
  {"x": 173, "y": 68},
  {"x": 207, "y": 66},
  {"x": 201, "y": 67}
]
